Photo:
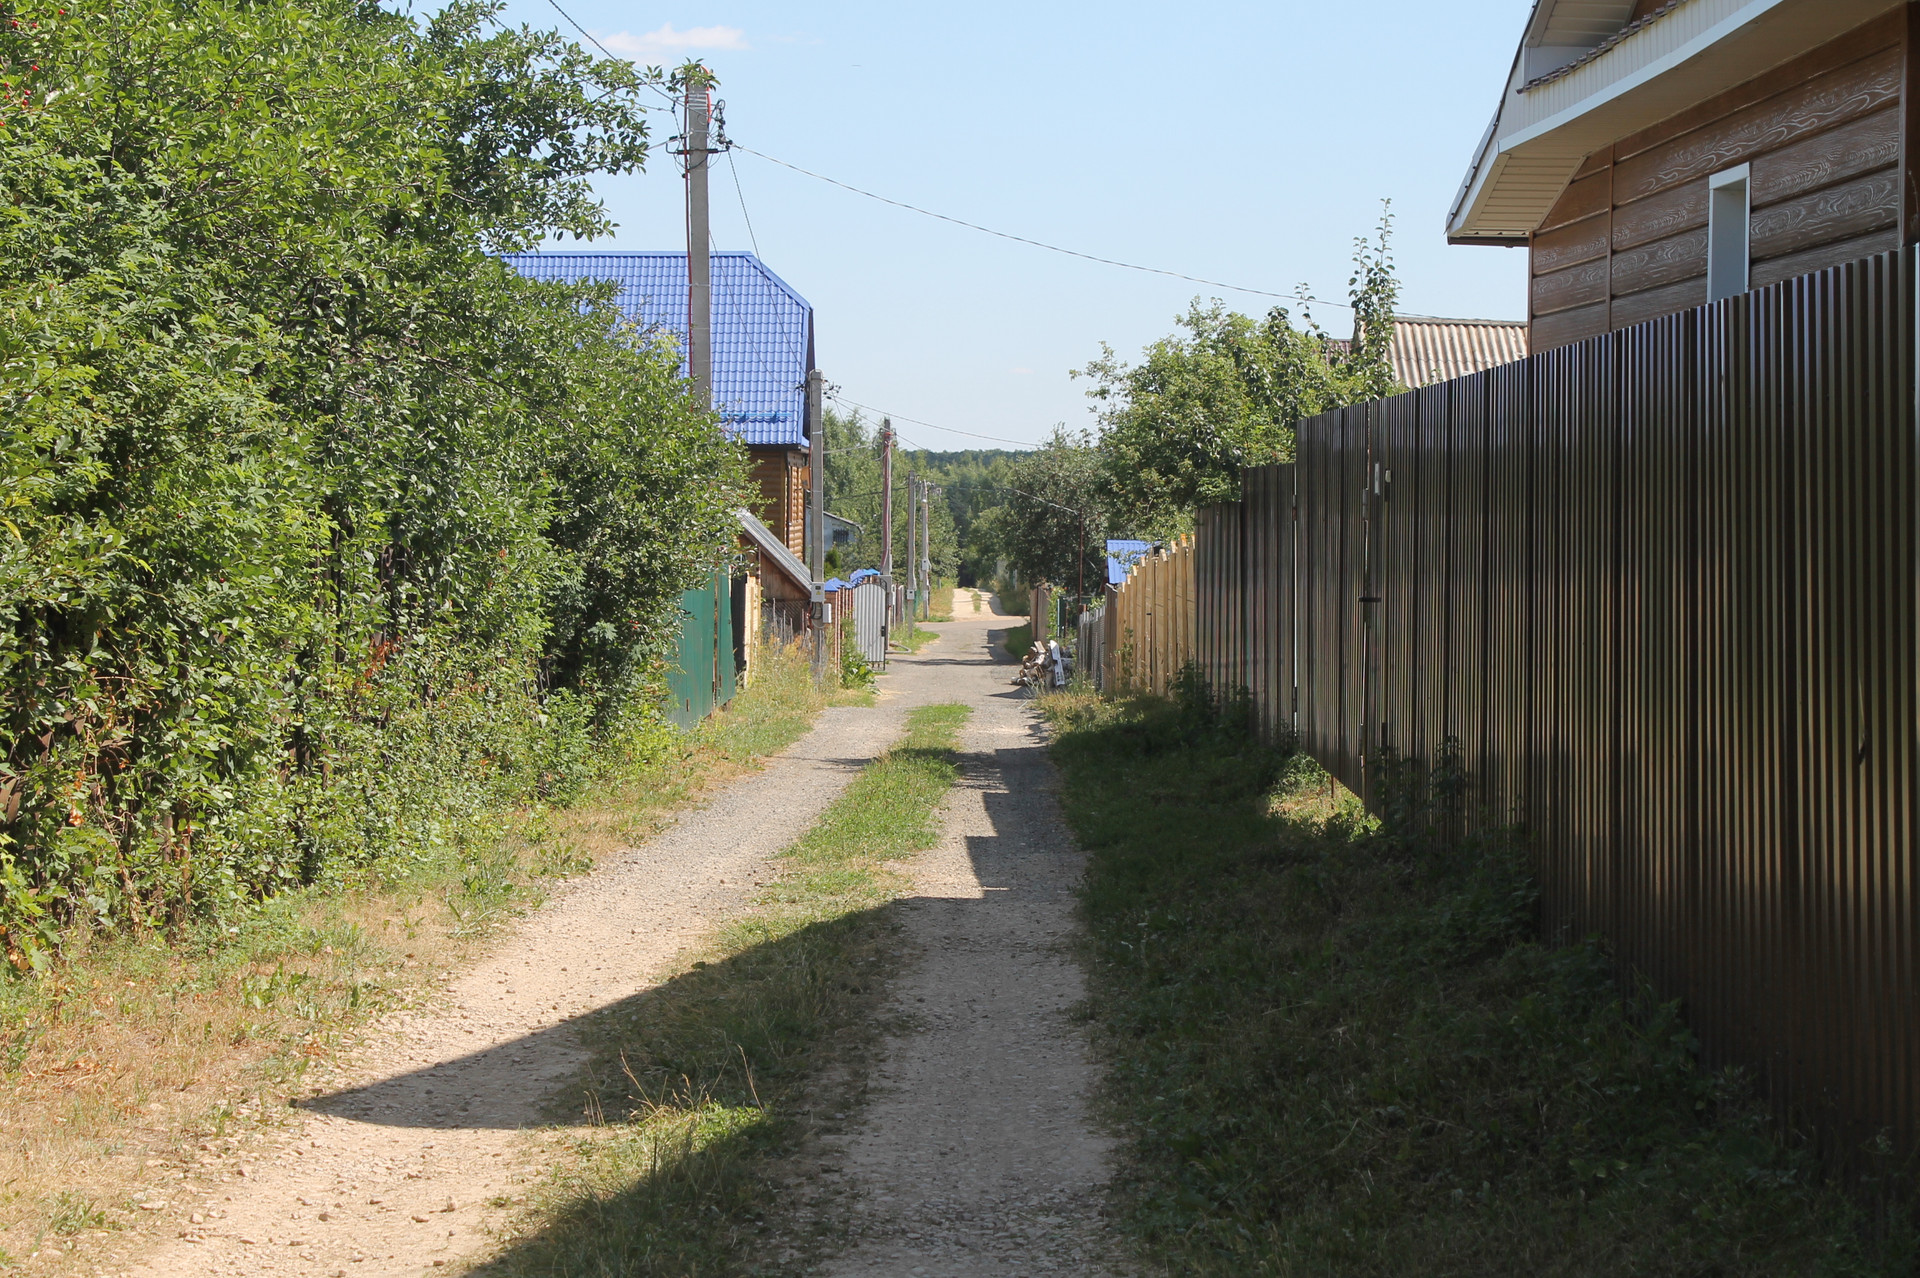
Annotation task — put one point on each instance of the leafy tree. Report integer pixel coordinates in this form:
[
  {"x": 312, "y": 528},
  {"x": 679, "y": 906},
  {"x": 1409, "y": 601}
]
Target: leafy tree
[
  {"x": 965, "y": 484},
  {"x": 1177, "y": 428},
  {"x": 1056, "y": 514},
  {"x": 319, "y": 522}
]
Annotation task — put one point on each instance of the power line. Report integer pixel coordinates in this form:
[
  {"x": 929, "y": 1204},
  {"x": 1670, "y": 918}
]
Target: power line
[
  {"x": 608, "y": 52},
  {"x": 1051, "y": 248},
  {"x": 842, "y": 399},
  {"x": 735, "y": 170}
]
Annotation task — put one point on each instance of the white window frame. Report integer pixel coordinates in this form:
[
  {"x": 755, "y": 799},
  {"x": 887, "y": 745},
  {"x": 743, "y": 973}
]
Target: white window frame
[{"x": 1729, "y": 232}]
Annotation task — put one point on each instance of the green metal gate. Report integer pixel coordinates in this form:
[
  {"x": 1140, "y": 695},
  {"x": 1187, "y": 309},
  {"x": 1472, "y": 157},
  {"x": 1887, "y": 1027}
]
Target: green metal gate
[{"x": 702, "y": 676}]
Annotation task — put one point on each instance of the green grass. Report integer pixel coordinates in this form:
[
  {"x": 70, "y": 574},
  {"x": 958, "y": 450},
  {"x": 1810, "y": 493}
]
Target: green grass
[
  {"x": 1019, "y": 641},
  {"x": 701, "y": 1087},
  {"x": 916, "y": 639},
  {"x": 1335, "y": 1048}
]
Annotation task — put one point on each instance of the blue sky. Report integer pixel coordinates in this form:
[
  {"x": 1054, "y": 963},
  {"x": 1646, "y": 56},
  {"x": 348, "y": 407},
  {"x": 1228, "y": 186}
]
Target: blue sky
[{"x": 1243, "y": 143}]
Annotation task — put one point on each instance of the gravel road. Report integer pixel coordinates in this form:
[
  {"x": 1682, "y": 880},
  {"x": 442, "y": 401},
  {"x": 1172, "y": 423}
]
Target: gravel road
[
  {"x": 976, "y": 1158},
  {"x": 976, "y": 1155}
]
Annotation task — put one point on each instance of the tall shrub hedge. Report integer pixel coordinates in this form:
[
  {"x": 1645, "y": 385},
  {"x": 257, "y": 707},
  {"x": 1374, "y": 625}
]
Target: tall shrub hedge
[{"x": 321, "y": 532}]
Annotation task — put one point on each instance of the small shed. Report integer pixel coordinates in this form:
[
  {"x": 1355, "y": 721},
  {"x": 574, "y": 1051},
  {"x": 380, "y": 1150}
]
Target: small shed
[{"x": 778, "y": 599}]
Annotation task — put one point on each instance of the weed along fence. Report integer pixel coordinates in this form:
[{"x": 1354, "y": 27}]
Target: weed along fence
[
  {"x": 1658, "y": 591},
  {"x": 1149, "y": 621}
]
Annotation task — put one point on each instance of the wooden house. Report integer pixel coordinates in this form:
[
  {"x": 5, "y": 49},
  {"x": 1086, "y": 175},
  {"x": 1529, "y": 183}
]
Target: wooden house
[
  {"x": 1654, "y": 155},
  {"x": 762, "y": 350}
]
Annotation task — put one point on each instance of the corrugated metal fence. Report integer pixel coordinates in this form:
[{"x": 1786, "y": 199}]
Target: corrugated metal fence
[
  {"x": 702, "y": 675},
  {"x": 1659, "y": 587}
]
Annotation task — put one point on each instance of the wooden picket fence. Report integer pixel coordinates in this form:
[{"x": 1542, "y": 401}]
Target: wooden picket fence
[{"x": 1149, "y": 621}]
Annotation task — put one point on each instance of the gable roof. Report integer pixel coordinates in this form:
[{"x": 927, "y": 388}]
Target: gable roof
[
  {"x": 762, "y": 329},
  {"x": 1589, "y": 72}
]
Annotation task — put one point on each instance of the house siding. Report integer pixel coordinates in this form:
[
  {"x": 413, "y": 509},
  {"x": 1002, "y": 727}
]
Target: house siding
[
  {"x": 780, "y": 476},
  {"x": 1627, "y": 240}
]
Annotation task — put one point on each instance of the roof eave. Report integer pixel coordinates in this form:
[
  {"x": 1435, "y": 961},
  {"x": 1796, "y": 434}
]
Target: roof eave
[{"x": 1537, "y": 141}]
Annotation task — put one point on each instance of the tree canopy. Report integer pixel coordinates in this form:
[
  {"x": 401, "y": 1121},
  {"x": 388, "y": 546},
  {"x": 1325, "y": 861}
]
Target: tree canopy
[
  {"x": 1226, "y": 391},
  {"x": 318, "y": 520}
]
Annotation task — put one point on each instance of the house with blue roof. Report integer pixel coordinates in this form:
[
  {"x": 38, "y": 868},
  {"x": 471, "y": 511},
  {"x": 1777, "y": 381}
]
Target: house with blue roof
[{"x": 762, "y": 350}]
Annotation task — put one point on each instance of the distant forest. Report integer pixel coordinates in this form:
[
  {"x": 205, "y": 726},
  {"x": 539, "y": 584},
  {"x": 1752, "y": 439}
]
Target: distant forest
[{"x": 970, "y": 483}]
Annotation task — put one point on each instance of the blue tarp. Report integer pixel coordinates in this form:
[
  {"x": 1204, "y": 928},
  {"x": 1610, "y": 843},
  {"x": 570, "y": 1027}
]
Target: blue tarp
[{"x": 1121, "y": 554}]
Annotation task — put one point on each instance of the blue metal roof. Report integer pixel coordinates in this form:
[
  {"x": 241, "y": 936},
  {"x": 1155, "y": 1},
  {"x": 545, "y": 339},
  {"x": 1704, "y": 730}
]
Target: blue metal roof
[
  {"x": 762, "y": 329},
  {"x": 1121, "y": 556}
]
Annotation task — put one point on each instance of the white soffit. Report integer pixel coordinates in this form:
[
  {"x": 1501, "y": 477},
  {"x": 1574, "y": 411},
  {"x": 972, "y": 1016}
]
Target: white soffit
[{"x": 1698, "y": 49}]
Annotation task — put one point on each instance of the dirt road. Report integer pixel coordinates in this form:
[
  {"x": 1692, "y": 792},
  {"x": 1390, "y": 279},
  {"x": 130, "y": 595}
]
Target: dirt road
[{"x": 976, "y": 1156}]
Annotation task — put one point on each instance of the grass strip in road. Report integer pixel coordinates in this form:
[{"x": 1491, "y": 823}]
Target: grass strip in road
[
  {"x": 916, "y": 639},
  {"x": 1336, "y": 1047},
  {"x": 704, "y": 1087}
]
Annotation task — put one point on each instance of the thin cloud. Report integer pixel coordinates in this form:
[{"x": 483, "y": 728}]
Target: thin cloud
[{"x": 667, "y": 40}]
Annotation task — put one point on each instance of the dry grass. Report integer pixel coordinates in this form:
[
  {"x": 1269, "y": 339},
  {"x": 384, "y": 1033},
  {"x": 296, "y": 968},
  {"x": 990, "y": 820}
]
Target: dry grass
[{"x": 145, "y": 1061}]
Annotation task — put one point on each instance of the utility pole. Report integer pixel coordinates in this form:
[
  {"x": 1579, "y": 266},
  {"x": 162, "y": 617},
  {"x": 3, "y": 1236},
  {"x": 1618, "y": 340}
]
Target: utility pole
[
  {"x": 699, "y": 268},
  {"x": 913, "y": 516},
  {"x": 817, "y": 525},
  {"x": 886, "y": 508},
  {"x": 926, "y": 549}
]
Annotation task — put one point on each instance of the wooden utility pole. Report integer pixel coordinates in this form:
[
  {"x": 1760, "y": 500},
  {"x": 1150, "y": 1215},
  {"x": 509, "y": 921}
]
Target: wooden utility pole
[
  {"x": 817, "y": 524},
  {"x": 699, "y": 268},
  {"x": 1083, "y": 563}
]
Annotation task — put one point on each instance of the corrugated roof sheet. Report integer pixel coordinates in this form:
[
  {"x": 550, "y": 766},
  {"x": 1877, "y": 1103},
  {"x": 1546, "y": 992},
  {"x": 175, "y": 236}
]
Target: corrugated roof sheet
[
  {"x": 762, "y": 329},
  {"x": 1427, "y": 350}
]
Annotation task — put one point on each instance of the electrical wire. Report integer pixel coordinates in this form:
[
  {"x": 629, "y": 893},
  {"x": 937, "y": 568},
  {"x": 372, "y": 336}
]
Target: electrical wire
[
  {"x": 609, "y": 53},
  {"x": 869, "y": 408},
  {"x": 1051, "y": 248},
  {"x": 735, "y": 170}
]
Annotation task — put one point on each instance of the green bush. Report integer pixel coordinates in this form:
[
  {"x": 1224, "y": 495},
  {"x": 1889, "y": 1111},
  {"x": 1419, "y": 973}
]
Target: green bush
[
  {"x": 855, "y": 670},
  {"x": 321, "y": 530}
]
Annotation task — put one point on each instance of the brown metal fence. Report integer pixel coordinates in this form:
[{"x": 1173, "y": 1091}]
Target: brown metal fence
[{"x": 1659, "y": 586}]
